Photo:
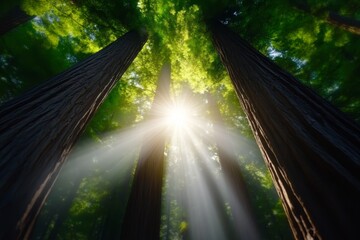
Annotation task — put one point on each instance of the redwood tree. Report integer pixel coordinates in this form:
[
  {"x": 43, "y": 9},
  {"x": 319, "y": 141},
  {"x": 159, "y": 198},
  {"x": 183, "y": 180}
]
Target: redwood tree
[
  {"x": 38, "y": 130},
  {"x": 346, "y": 23},
  {"x": 15, "y": 17},
  {"x": 311, "y": 148},
  {"x": 143, "y": 211}
]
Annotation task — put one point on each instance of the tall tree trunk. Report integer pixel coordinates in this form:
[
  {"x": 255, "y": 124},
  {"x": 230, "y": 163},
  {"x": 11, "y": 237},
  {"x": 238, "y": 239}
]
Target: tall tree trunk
[
  {"x": 38, "y": 130},
  {"x": 243, "y": 214},
  {"x": 15, "y": 17},
  {"x": 311, "y": 148},
  {"x": 143, "y": 211}
]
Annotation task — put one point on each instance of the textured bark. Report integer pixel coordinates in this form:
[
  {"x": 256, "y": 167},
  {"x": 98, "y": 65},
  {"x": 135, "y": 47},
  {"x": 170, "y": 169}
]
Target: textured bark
[
  {"x": 12, "y": 19},
  {"x": 38, "y": 130},
  {"x": 243, "y": 214},
  {"x": 311, "y": 148},
  {"x": 143, "y": 211}
]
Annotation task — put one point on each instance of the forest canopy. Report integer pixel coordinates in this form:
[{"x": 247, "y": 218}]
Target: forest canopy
[{"x": 318, "y": 42}]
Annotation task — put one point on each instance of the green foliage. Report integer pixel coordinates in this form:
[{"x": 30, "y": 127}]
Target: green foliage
[
  {"x": 321, "y": 55},
  {"x": 59, "y": 19},
  {"x": 25, "y": 60},
  {"x": 294, "y": 34}
]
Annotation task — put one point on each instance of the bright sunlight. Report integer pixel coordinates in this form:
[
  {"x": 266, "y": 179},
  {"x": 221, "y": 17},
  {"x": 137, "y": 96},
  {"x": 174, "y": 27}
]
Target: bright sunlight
[{"x": 178, "y": 116}]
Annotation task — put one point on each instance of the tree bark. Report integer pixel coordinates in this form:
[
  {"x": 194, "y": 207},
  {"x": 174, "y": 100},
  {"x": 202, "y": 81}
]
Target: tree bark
[
  {"x": 38, "y": 130},
  {"x": 143, "y": 211},
  {"x": 12, "y": 19},
  {"x": 345, "y": 23},
  {"x": 311, "y": 148},
  {"x": 242, "y": 211}
]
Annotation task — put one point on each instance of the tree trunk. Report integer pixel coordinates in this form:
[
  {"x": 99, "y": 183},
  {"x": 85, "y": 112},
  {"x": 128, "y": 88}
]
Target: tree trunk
[
  {"x": 311, "y": 148},
  {"x": 242, "y": 211},
  {"x": 345, "y": 23},
  {"x": 143, "y": 211},
  {"x": 38, "y": 130},
  {"x": 12, "y": 19}
]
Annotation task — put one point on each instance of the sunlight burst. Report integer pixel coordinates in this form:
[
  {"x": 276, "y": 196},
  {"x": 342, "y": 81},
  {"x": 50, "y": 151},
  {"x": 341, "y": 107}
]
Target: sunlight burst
[{"x": 178, "y": 116}]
